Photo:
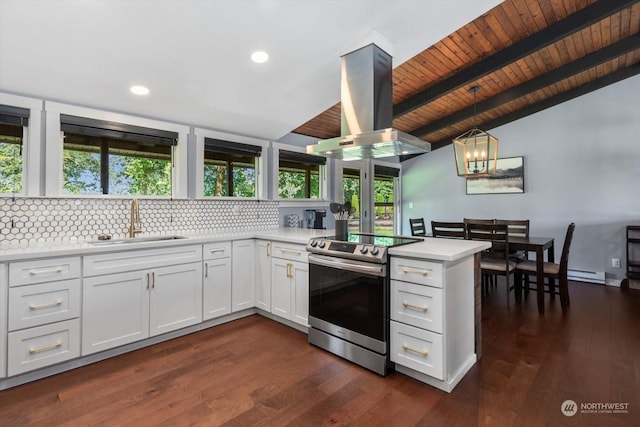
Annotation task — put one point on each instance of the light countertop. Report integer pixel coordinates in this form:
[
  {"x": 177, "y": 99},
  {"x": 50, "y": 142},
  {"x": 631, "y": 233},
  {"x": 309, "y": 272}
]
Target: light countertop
[
  {"x": 440, "y": 249},
  {"x": 67, "y": 248},
  {"x": 430, "y": 248}
]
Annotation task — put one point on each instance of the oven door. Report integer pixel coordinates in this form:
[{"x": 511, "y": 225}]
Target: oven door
[{"x": 350, "y": 300}]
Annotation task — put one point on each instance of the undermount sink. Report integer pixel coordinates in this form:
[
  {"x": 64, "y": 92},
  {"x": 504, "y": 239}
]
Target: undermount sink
[{"x": 135, "y": 240}]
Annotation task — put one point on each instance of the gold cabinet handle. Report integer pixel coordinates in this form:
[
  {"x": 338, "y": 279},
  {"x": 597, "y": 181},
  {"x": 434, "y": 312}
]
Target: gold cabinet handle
[
  {"x": 213, "y": 251},
  {"x": 34, "y": 350},
  {"x": 415, "y": 307},
  {"x": 46, "y": 271},
  {"x": 290, "y": 251},
  {"x": 410, "y": 270},
  {"x": 148, "y": 280},
  {"x": 45, "y": 305},
  {"x": 268, "y": 249},
  {"x": 206, "y": 270},
  {"x": 153, "y": 280},
  {"x": 420, "y": 352},
  {"x": 289, "y": 275}
]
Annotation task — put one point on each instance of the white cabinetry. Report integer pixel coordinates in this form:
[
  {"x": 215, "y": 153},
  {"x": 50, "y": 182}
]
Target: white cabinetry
[
  {"x": 263, "y": 275},
  {"x": 157, "y": 291},
  {"x": 43, "y": 310},
  {"x": 3, "y": 320},
  {"x": 243, "y": 275},
  {"x": 216, "y": 285},
  {"x": 290, "y": 283},
  {"x": 432, "y": 319}
]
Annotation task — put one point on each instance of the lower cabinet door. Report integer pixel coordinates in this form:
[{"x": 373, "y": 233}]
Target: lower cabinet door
[
  {"x": 115, "y": 310},
  {"x": 281, "y": 287},
  {"x": 4, "y": 285},
  {"x": 176, "y": 297},
  {"x": 243, "y": 275},
  {"x": 216, "y": 288},
  {"x": 417, "y": 349},
  {"x": 300, "y": 289},
  {"x": 263, "y": 275},
  {"x": 42, "y": 346}
]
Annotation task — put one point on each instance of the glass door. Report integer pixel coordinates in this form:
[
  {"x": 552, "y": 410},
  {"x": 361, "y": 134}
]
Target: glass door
[{"x": 352, "y": 192}]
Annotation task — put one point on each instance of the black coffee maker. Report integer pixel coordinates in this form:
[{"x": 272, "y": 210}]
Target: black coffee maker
[{"x": 314, "y": 218}]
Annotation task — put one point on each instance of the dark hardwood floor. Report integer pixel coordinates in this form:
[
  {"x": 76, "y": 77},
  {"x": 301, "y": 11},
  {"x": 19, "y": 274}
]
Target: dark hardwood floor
[{"x": 255, "y": 371}]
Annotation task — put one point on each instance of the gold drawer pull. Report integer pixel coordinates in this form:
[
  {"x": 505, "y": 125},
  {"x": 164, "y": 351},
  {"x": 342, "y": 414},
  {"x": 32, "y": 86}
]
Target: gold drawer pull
[
  {"x": 290, "y": 251},
  {"x": 410, "y": 270},
  {"x": 46, "y": 271},
  {"x": 415, "y": 307},
  {"x": 213, "y": 251},
  {"x": 34, "y": 350},
  {"x": 420, "y": 352},
  {"x": 268, "y": 249},
  {"x": 46, "y": 305}
]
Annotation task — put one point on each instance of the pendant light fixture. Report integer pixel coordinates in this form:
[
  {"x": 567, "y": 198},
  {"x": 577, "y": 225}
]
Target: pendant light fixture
[{"x": 476, "y": 151}]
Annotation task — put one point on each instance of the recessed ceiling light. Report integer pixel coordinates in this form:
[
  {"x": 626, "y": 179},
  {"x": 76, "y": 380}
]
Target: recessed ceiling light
[
  {"x": 260, "y": 56},
  {"x": 139, "y": 90}
]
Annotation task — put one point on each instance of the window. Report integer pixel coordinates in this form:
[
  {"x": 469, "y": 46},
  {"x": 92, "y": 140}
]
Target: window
[
  {"x": 299, "y": 175},
  {"x": 384, "y": 190},
  {"x": 13, "y": 121},
  {"x": 102, "y": 157},
  {"x": 230, "y": 168}
]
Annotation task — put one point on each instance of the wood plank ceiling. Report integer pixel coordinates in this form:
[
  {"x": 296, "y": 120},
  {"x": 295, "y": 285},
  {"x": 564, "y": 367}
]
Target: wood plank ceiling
[{"x": 526, "y": 55}]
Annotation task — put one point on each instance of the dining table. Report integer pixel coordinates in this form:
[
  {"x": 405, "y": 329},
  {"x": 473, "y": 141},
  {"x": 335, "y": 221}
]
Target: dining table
[{"x": 538, "y": 245}]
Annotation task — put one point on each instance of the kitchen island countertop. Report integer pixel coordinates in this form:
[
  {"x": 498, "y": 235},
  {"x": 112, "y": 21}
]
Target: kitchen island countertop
[{"x": 440, "y": 249}]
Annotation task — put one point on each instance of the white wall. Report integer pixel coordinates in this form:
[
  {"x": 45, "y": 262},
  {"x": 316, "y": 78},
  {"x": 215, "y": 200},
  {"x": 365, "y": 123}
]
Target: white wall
[{"x": 582, "y": 165}]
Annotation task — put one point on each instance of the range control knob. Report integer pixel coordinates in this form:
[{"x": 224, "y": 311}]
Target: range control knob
[
  {"x": 313, "y": 243},
  {"x": 363, "y": 250},
  {"x": 321, "y": 244},
  {"x": 374, "y": 251}
]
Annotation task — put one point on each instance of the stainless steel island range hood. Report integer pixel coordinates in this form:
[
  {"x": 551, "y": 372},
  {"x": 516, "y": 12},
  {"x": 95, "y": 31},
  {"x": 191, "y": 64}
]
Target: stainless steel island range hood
[{"x": 367, "y": 112}]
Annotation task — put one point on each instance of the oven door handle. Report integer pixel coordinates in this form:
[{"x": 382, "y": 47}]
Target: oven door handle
[{"x": 349, "y": 265}]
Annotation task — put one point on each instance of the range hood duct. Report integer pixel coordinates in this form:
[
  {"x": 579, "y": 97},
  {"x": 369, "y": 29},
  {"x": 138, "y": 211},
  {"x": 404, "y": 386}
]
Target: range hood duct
[{"x": 367, "y": 112}]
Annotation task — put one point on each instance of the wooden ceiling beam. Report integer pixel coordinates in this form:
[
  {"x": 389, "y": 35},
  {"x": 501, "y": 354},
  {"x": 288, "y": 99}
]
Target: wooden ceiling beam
[
  {"x": 588, "y": 61},
  {"x": 552, "y": 101},
  {"x": 557, "y": 31}
]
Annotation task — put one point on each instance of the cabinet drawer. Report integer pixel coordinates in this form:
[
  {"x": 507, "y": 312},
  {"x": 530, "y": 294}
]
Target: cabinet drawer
[
  {"x": 42, "y": 346},
  {"x": 417, "y": 305},
  {"x": 216, "y": 250},
  {"x": 417, "y": 349},
  {"x": 417, "y": 271},
  {"x": 43, "y": 303},
  {"x": 289, "y": 251},
  {"x": 43, "y": 270},
  {"x": 121, "y": 261}
]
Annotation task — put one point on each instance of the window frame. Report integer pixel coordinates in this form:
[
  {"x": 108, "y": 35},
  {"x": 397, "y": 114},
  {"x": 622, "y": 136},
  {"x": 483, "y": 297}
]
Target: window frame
[
  {"x": 323, "y": 171},
  {"x": 31, "y": 144},
  {"x": 198, "y": 136},
  {"x": 55, "y": 148}
]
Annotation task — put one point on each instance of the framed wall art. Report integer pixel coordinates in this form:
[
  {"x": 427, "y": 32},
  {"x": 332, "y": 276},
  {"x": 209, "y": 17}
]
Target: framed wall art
[{"x": 508, "y": 179}]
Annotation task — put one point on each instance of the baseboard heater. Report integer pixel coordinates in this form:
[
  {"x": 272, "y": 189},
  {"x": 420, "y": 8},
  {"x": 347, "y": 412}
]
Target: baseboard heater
[{"x": 586, "y": 276}]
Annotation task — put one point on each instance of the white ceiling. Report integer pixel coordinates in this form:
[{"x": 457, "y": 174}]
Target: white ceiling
[{"x": 194, "y": 54}]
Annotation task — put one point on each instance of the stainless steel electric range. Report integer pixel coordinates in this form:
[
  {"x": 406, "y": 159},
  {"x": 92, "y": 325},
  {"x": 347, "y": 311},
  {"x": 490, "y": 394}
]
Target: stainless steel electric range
[{"x": 349, "y": 297}]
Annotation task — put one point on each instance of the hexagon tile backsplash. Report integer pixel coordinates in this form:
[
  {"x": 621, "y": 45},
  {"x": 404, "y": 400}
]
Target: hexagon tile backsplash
[{"x": 25, "y": 221}]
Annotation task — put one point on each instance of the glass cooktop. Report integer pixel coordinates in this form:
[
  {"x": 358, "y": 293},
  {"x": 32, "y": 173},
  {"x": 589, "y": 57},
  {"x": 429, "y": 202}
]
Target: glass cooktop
[{"x": 376, "y": 239}]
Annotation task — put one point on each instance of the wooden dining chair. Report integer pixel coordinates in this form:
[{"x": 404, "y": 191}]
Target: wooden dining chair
[
  {"x": 417, "y": 227},
  {"x": 496, "y": 261},
  {"x": 516, "y": 228},
  {"x": 557, "y": 271},
  {"x": 451, "y": 230},
  {"x": 487, "y": 279}
]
